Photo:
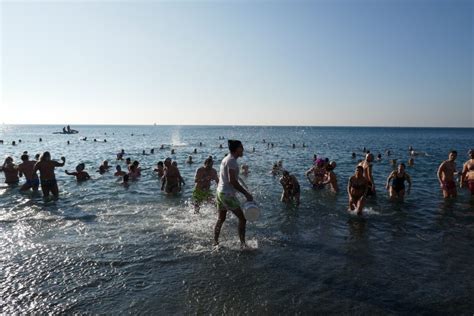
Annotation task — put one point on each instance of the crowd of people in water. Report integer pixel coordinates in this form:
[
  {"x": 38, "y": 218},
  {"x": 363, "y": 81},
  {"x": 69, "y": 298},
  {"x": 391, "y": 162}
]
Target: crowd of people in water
[{"x": 360, "y": 186}]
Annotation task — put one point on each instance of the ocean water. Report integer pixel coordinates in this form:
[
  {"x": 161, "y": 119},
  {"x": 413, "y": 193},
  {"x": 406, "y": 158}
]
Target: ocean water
[{"x": 105, "y": 249}]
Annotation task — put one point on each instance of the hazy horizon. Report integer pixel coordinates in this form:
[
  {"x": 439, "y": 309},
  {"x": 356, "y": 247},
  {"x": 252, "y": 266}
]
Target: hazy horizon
[{"x": 317, "y": 63}]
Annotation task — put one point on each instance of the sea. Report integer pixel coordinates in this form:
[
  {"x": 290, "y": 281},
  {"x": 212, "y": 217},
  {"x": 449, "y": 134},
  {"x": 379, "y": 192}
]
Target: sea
[{"x": 102, "y": 248}]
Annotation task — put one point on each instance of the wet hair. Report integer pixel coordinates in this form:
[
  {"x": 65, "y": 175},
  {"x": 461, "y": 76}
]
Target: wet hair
[
  {"x": 403, "y": 165},
  {"x": 454, "y": 152},
  {"x": 160, "y": 163},
  {"x": 24, "y": 157},
  {"x": 136, "y": 163},
  {"x": 208, "y": 161},
  {"x": 234, "y": 145},
  {"x": 118, "y": 168},
  {"x": 45, "y": 155},
  {"x": 80, "y": 167}
]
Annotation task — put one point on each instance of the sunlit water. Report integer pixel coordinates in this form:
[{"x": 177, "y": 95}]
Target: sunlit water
[{"x": 104, "y": 249}]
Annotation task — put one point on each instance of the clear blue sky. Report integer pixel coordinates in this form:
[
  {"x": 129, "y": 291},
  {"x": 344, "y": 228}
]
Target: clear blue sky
[{"x": 380, "y": 63}]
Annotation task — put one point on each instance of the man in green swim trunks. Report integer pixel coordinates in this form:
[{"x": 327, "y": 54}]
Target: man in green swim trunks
[
  {"x": 227, "y": 188},
  {"x": 202, "y": 190}
]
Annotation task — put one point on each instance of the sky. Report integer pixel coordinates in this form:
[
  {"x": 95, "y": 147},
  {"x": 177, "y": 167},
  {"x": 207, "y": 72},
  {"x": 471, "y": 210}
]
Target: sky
[{"x": 322, "y": 63}]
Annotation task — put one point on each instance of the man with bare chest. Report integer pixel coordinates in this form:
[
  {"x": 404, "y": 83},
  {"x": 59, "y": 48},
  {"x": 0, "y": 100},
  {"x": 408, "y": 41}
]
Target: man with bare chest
[{"x": 446, "y": 174}]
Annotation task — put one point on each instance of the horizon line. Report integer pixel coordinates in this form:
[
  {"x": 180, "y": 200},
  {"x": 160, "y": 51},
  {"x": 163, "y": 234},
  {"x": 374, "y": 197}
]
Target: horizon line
[{"x": 236, "y": 125}]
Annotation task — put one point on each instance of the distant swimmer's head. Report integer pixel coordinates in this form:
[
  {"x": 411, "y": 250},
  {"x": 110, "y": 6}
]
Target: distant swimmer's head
[
  {"x": 46, "y": 156},
  {"x": 80, "y": 167},
  {"x": 24, "y": 157},
  {"x": 105, "y": 163},
  {"x": 369, "y": 157},
  {"x": 174, "y": 163},
  {"x": 236, "y": 147},
  {"x": 118, "y": 168}
]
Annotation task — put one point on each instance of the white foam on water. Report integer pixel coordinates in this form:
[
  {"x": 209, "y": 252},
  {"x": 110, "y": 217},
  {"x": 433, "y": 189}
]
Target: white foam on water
[{"x": 365, "y": 211}]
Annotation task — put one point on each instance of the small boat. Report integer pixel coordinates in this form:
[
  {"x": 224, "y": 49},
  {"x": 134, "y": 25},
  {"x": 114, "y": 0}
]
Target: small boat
[{"x": 73, "y": 131}]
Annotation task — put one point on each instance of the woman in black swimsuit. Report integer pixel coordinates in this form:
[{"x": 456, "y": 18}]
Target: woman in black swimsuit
[{"x": 398, "y": 177}]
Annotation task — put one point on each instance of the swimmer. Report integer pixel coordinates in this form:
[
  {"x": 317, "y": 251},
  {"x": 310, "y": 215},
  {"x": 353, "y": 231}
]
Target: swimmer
[
  {"x": 203, "y": 178},
  {"x": 80, "y": 174},
  {"x": 46, "y": 168},
  {"x": 446, "y": 172},
  {"x": 411, "y": 162},
  {"x": 159, "y": 169},
  {"x": 26, "y": 168},
  {"x": 200, "y": 144},
  {"x": 190, "y": 160},
  {"x": 393, "y": 162},
  {"x": 319, "y": 173},
  {"x": 331, "y": 177},
  {"x": 128, "y": 162},
  {"x": 294, "y": 146},
  {"x": 253, "y": 149},
  {"x": 467, "y": 175},
  {"x": 134, "y": 172},
  {"x": 220, "y": 146},
  {"x": 40, "y": 139},
  {"x": 353, "y": 155},
  {"x": 379, "y": 157},
  {"x": 137, "y": 171},
  {"x": 195, "y": 151},
  {"x": 275, "y": 170},
  {"x": 37, "y": 157},
  {"x": 125, "y": 180},
  {"x": 162, "y": 146},
  {"x": 304, "y": 145},
  {"x": 367, "y": 166},
  {"x": 357, "y": 190},
  {"x": 171, "y": 180},
  {"x": 10, "y": 169},
  {"x": 227, "y": 189},
  {"x": 388, "y": 152},
  {"x": 119, "y": 172},
  {"x": 68, "y": 142},
  {"x": 152, "y": 151},
  {"x": 291, "y": 188},
  {"x": 13, "y": 143},
  {"x": 172, "y": 151},
  {"x": 245, "y": 170},
  {"x": 397, "y": 189}
]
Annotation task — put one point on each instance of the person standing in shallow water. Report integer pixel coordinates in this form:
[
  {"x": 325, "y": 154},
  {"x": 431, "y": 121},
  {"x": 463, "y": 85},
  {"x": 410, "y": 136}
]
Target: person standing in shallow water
[
  {"x": 47, "y": 177},
  {"x": 227, "y": 189},
  {"x": 26, "y": 168},
  {"x": 467, "y": 175},
  {"x": 357, "y": 190},
  {"x": 202, "y": 179},
  {"x": 398, "y": 177},
  {"x": 367, "y": 167},
  {"x": 446, "y": 174}
]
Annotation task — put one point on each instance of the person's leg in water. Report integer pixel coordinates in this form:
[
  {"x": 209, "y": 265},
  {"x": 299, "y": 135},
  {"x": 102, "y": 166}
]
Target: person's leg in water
[
  {"x": 241, "y": 228},
  {"x": 55, "y": 190},
  {"x": 360, "y": 205},
  {"x": 45, "y": 187},
  {"x": 217, "y": 228}
]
